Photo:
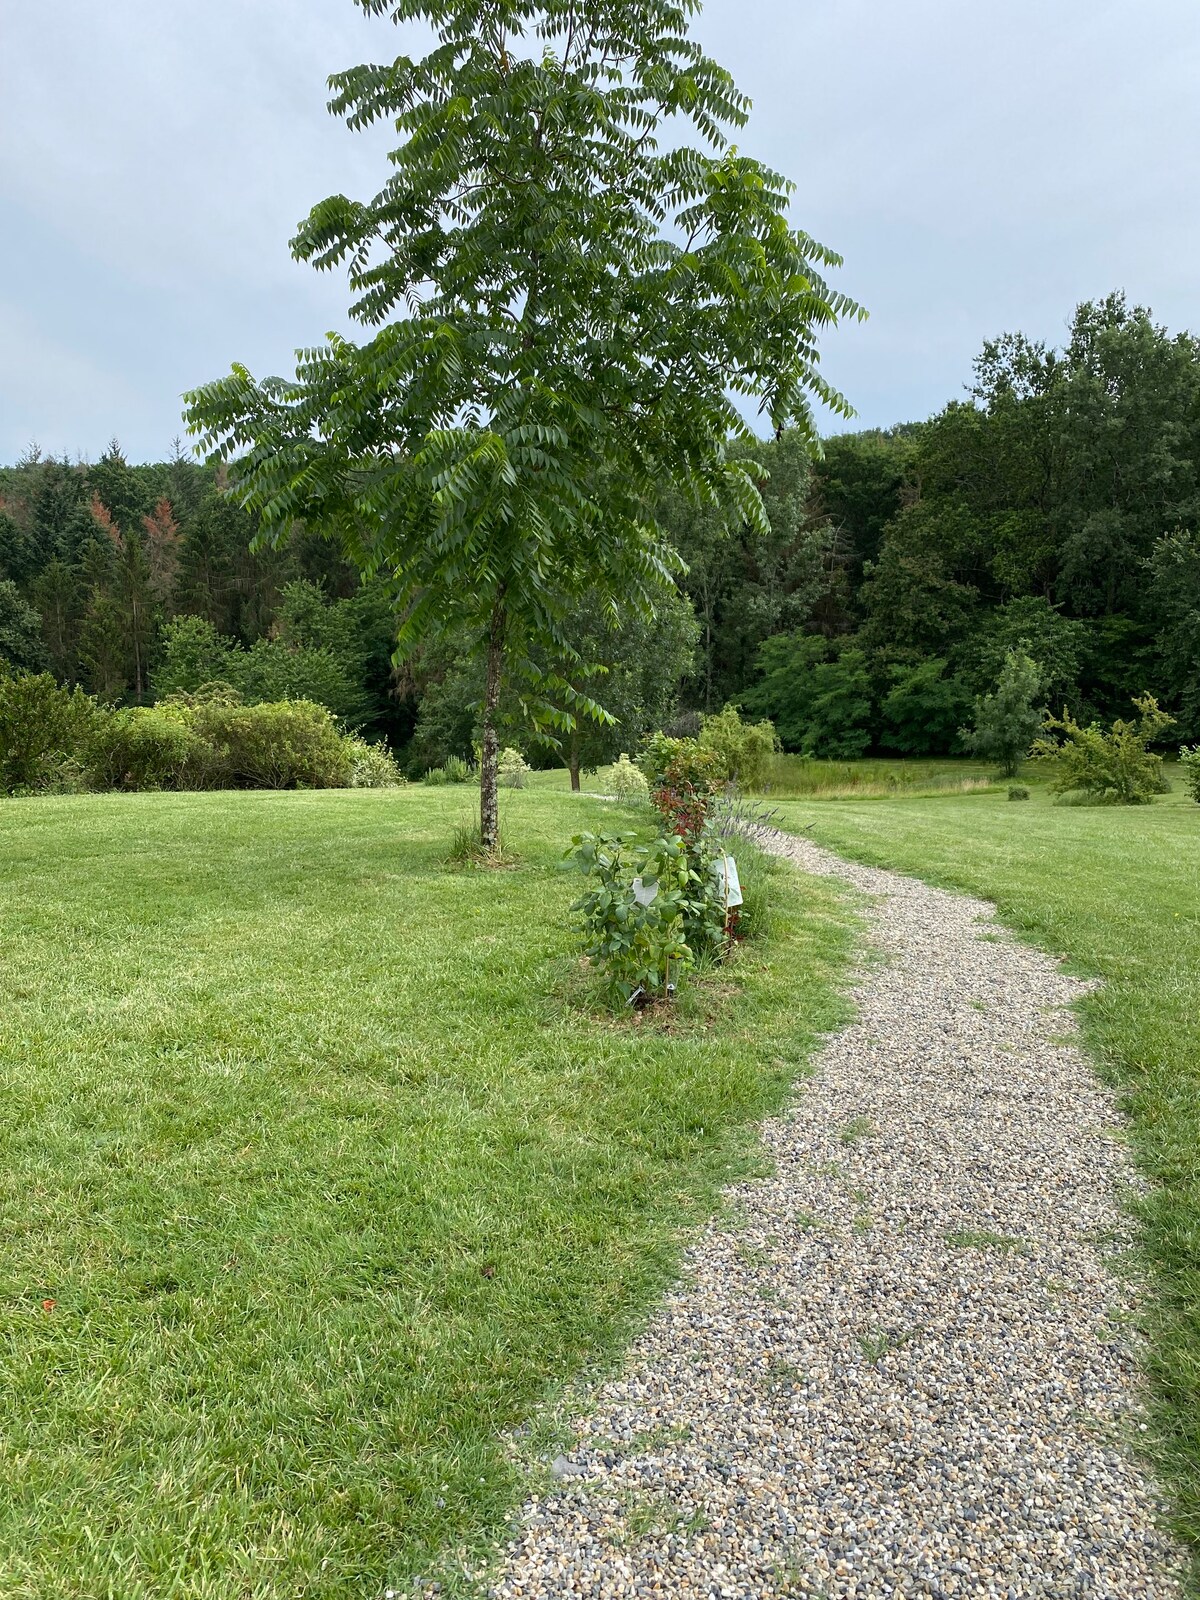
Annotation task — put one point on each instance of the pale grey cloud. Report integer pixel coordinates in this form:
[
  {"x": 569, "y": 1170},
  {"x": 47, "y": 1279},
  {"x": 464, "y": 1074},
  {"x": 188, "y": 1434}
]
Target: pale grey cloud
[{"x": 982, "y": 164}]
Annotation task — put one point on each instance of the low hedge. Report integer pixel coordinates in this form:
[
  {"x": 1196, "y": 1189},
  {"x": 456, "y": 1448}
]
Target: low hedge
[{"x": 52, "y": 738}]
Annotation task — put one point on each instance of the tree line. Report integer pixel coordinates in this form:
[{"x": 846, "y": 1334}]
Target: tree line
[{"x": 1055, "y": 509}]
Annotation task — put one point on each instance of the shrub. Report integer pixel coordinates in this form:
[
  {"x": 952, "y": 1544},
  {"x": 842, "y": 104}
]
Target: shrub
[
  {"x": 1189, "y": 760},
  {"x": 288, "y": 744},
  {"x": 41, "y": 725},
  {"x": 435, "y": 777},
  {"x": 1018, "y": 791},
  {"x": 1115, "y": 768},
  {"x": 628, "y": 784},
  {"x": 149, "y": 747},
  {"x": 666, "y": 763},
  {"x": 316, "y": 658},
  {"x": 1007, "y": 719},
  {"x": 744, "y": 748},
  {"x": 650, "y": 912},
  {"x": 513, "y": 770},
  {"x": 456, "y": 770},
  {"x": 372, "y": 766}
]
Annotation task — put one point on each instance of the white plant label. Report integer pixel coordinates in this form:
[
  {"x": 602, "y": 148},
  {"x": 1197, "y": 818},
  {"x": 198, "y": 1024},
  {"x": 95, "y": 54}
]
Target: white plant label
[
  {"x": 644, "y": 893},
  {"x": 727, "y": 877}
]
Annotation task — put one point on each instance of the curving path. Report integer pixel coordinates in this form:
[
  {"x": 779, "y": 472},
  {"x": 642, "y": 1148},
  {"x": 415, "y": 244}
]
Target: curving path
[{"x": 901, "y": 1367}]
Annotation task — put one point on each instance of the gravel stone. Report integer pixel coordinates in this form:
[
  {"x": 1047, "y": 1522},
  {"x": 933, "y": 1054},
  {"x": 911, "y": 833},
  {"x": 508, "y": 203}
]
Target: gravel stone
[{"x": 901, "y": 1365}]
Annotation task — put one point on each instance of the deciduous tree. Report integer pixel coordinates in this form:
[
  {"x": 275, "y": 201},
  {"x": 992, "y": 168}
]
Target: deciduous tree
[{"x": 569, "y": 308}]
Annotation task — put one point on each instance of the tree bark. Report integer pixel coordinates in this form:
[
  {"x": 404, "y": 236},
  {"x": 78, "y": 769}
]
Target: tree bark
[{"x": 489, "y": 800}]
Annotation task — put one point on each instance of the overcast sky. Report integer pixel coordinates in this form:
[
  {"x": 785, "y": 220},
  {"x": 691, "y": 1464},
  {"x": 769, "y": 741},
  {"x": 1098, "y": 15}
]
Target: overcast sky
[{"x": 982, "y": 165}]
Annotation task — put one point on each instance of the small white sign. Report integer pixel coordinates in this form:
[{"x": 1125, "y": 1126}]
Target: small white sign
[
  {"x": 727, "y": 877},
  {"x": 643, "y": 893}
]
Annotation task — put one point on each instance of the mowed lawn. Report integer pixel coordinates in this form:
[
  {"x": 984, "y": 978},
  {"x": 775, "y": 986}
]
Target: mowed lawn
[
  {"x": 1118, "y": 890},
  {"x": 321, "y": 1167}
]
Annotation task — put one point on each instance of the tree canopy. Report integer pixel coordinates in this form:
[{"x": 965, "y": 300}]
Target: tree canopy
[
  {"x": 568, "y": 310},
  {"x": 893, "y": 577}
]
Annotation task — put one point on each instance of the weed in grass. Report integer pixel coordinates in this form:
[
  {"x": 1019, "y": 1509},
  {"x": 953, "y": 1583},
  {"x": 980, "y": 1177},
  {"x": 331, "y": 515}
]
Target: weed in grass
[
  {"x": 794, "y": 1579},
  {"x": 646, "y": 1515},
  {"x": 981, "y": 1239},
  {"x": 467, "y": 850},
  {"x": 732, "y": 1217}
]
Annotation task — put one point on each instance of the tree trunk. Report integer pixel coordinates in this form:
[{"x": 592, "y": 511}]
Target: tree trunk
[
  {"x": 489, "y": 801},
  {"x": 573, "y": 762}
]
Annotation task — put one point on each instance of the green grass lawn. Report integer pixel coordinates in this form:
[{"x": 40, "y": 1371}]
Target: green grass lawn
[
  {"x": 321, "y": 1167},
  {"x": 1119, "y": 891}
]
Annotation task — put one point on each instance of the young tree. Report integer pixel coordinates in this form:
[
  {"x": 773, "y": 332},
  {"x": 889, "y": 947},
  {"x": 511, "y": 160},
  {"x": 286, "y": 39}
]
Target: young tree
[
  {"x": 644, "y": 663},
  {"x": 1007, "y": 719},
  {"x": 566, "y": 312}
]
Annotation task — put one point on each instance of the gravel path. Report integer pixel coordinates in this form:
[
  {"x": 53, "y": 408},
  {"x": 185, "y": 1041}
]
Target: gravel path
[{"x": 898, "y": 1368}]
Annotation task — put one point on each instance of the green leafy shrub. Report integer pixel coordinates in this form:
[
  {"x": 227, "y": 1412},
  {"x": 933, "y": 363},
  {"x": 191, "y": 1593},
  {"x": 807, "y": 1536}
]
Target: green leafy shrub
[
  {"x": 649, "y": 913},
  {"x": 41, "y": 726},
  {"x": 372, "y": 766},
  {"x": 628, "y": 784},
  {"x": 512, "y": 769},
  {"x": 456, "y": 770},
  {"x": 1189, "y": 760},
  {"x": 272, "y": 670},
  {"x": 290, "y": 744},
  {"x": 150, "y": 747},
  {"x": 435, "y": 777},
  {"x": 1007, "y": 720},
  {"x": 1018, "y": 791},
  {"x": 1097, "y": 768},
  {"x": 744, "y": 748},
  {"x": 669, "y": 763}
]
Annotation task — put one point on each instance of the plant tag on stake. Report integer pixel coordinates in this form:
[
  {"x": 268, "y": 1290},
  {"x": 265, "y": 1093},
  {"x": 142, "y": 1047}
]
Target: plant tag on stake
[
  {"x": 644, "y": 893},
  {"x": 727, "y": 877}
]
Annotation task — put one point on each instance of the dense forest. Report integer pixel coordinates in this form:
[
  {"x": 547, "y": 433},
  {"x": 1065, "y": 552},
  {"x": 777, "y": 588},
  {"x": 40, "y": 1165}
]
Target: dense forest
[{"x": 1057, "y": 507}]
